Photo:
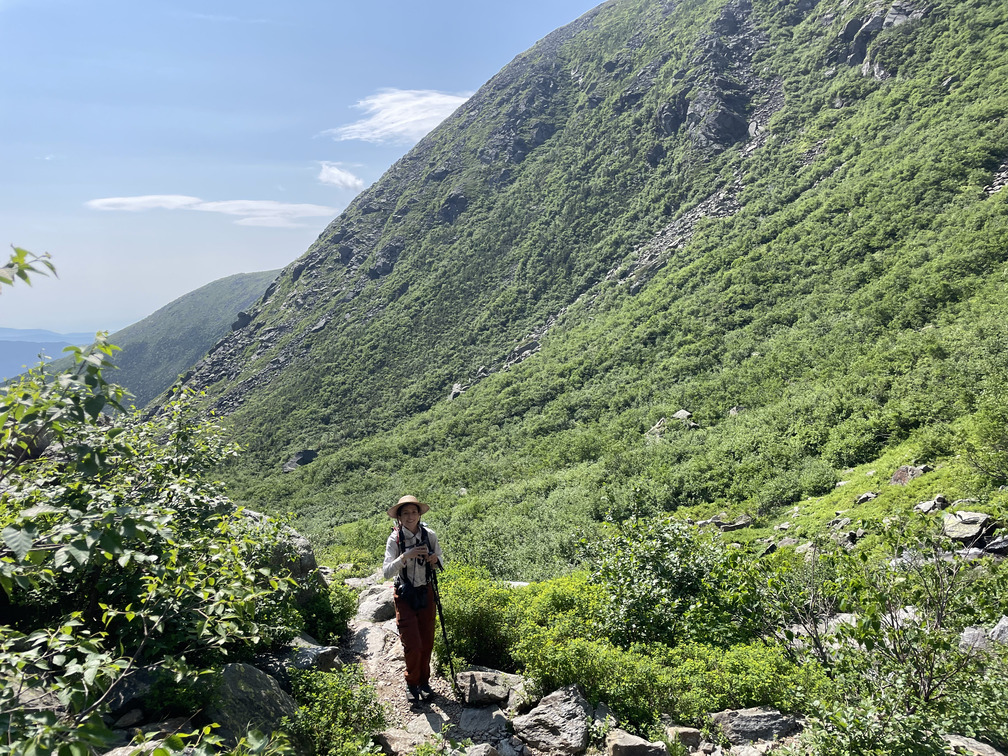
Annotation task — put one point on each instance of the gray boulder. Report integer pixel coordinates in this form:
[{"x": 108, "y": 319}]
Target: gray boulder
[
  {"x": 130, "y": 691},
  {"x": 974, "y": 639},
  {"x": 483, "y": 688},
  {"x": 141, "y": 749},
  {"x": 511, "y": 747},
  {"x": 305, "y": 653},
  {"x": 758, "y": 723},
  {"x": 999, "y": 633},
  {"x": 969, "y": 746},
  {"x": 966, "y": 527},
  {"x": 559, "y": 724},
  {"x": 375, "y": 604},
  {"x": 997, "y": 546},
  {"x": 397, "y": 742},
  {"x": 245, "y": 699},
  {"x": 622, "y": 743},
  {"x": 688, "y": 736},
  {"x": 483, "y": 720}
]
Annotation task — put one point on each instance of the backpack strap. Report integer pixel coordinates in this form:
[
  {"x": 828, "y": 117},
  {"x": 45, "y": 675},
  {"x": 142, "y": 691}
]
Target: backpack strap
[{"x": 401, "y": 542}]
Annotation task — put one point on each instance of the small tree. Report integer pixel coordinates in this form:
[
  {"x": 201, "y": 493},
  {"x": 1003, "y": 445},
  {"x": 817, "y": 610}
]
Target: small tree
[{"x": 116, "y": 549}]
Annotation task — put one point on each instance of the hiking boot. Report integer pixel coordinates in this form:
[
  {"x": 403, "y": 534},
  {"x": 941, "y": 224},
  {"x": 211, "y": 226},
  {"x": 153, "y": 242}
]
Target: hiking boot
[
  {"x": 425, "y": 691},
  {"x": 412, "y": 692}
]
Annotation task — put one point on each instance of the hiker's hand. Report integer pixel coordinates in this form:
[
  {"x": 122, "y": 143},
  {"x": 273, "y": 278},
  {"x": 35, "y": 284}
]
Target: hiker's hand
[
  {"x": 432, "y": 559},
  {"x": 417, "y": 552}
]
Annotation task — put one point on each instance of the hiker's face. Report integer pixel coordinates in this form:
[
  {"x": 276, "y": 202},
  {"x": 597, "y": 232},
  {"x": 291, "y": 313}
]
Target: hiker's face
[{"x": 410, "y": 516}]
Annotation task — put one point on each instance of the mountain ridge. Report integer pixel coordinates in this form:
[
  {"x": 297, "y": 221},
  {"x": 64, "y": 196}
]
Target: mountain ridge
[{"x": 785, "y": 207}]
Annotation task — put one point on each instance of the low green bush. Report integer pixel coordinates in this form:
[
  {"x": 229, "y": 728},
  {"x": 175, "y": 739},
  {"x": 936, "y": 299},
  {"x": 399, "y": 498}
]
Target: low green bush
[
  {"x": 706, "y": 679},
  {"x": 327, "y": 615},
  {"x": 480, "y": 618},
  {"x": 632, "y": 684},
  {"x": 337, "y": 714}
]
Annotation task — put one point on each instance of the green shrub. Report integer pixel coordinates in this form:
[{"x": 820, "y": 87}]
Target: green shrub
[
  {"x": 327, "y": 615},
  {"x": 337, "y": 714},
  {"x": 480, "y": 618},
  {"x": 851, "y": 442},
  {"x": 632, "y": 684},
  {"x": 118, "y": 550},
  {"x": 654, "y": 572}
]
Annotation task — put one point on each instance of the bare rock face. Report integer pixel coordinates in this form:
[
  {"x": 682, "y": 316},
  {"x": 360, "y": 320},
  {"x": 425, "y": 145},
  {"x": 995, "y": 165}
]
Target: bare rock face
[
  {"x": 559, "y": 724},
  {"x": 299, "y": 459}
]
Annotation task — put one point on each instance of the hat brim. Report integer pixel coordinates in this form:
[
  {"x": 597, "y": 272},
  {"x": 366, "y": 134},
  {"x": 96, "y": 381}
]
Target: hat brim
[{"x": 393, "y": 511}]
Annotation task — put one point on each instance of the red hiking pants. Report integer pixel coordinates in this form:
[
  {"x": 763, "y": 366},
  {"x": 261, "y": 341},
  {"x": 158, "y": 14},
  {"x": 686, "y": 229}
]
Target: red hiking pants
[{"x": 416, "y": 630}]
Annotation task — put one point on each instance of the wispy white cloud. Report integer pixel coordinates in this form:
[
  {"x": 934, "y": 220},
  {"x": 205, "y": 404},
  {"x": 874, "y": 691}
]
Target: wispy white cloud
[
  {"x": 146, "y": 202},
  {"x": 248, "y": 212},
  {"x": 333, "y": 175},
  {"x": 399, "y": 115}
]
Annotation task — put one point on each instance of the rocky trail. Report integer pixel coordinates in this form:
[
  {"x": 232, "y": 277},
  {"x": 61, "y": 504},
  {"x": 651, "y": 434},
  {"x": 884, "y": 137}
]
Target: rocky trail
[
  {"x": 473, "y": 718},
  {"x": 376, "y": 647}
]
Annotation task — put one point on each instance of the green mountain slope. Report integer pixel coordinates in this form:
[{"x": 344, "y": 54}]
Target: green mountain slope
[
  {"x": 157, "y": 349},
  {"x": 791, "y": 209}
]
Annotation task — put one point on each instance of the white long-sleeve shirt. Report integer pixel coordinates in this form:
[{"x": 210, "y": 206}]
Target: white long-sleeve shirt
[{"x": 415, "y": 568}]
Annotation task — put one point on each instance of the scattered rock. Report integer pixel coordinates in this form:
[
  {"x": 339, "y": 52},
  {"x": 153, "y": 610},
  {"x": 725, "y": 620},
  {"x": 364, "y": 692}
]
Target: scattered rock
[
  {"x": 559, "y": 724},
  {"x": 906, "y": 473},
  {"x": 301, "y": 458},
  {"x": 866, "y": 497}
]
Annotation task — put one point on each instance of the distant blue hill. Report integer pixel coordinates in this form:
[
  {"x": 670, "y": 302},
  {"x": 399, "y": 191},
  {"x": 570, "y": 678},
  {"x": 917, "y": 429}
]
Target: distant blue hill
[
  {"x": 44, "y": 337},
  {"x": 20, "y": 347},
  {"x": 158, "y": 348}
]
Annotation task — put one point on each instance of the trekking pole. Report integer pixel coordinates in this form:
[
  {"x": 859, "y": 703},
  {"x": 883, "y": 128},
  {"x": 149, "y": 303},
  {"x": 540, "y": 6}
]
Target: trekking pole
[{"x": 444, "y": 633}]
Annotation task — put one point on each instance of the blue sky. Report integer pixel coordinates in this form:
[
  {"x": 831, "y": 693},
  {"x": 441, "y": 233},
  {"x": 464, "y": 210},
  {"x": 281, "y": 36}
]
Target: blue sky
[{"x": 153, "y": 146}]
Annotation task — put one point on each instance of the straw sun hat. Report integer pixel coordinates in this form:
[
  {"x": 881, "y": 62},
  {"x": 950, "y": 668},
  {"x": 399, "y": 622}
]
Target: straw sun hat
[{"x": 393, "y": 511}]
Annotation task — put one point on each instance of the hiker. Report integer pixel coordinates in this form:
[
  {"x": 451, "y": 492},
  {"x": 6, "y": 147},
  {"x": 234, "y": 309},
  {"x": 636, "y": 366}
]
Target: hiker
[{"x": 412, "y": 553}]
